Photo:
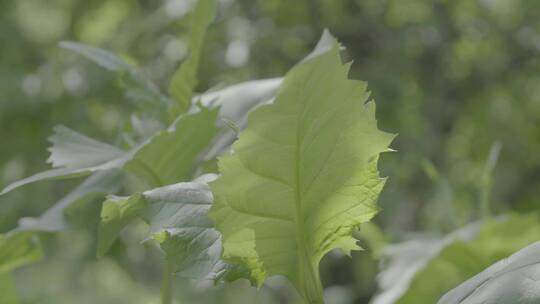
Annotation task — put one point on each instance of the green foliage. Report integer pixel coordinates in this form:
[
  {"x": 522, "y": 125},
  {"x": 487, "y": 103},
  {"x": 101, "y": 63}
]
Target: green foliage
[
  {"x": 73, "y": 155},
  {"x": 184, "y": 79},
  {"x": 302, "y": 176},
  {"x": 137, "y": 85},
  {"x": 171, "y": 156},
  {"x": 452, "y": 77},
  {"x": 17, "y": 250},
  {"x": 512, "y": 280},
  {"x": 459, "y": 256}
]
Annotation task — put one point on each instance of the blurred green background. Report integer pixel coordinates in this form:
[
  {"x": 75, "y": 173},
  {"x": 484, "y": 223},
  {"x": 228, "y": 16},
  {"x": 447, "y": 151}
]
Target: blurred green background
[{"x": 451, "y": 77}]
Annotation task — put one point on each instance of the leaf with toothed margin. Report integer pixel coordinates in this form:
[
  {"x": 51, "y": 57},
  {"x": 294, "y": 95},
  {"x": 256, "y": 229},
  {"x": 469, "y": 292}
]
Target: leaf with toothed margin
[
  {"x": 74, "y": 154},
  {"x": 167, "y": 157},
  {"x": 177, "y": 218},
  {"x": 302, "y": 176}
]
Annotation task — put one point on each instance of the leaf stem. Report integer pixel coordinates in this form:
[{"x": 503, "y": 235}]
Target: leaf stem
[{"x": 166, "y": 285}]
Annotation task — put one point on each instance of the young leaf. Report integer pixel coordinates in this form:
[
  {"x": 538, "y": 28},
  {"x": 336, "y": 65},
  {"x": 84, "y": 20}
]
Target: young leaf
[
  {"x": 302, "y": 176},
  {"x": 184, "y": 79},
  {"x": 512, "y": 280}
]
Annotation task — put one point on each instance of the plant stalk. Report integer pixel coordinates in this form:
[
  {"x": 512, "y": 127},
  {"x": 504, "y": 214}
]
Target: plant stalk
[{"x": 167, "y": 283}]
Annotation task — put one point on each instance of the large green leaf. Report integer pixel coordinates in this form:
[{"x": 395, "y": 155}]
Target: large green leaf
[
  {"x": 465, "y": 256},
  {"x": 184, "y": 79},
  {"x": 302, "y": 176},
  {"x": 515, "y": 280}
]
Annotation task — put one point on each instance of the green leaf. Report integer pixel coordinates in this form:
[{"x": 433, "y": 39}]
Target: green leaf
[
  {"x": 463, "y": 257},
  {"x": 171, "y": 155},
  {"x": 234, "y": 103},
  {"x": 18, "y": 249},
  {"x": 512, "y": 280},
  {"x": 139, "y": 87},
  {"x": 167, "y": 157},
  {"x": 73, "y": 155},
  {"x": 405, "y": 260},
  {"x": 302, "y": 176},
  {"x": 178, "y": 222},
  {"x": 9, "y": 292},
  {"x": 184, "y": 79}
]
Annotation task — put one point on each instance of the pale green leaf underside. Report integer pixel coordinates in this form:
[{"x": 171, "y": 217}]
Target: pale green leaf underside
[
  {"x": 515, "y": 279},
  {"x": 177, "y": 215},
  {"x": 458, "y": 256},
  {"x": 302, "y": 176}
]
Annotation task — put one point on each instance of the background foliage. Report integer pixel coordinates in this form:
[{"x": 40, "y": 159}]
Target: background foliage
[{"x": 451, "y": 77}]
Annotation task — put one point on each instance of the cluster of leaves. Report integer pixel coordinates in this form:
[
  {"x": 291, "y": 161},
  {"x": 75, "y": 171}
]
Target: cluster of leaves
[{"x": 298, "y": 182}]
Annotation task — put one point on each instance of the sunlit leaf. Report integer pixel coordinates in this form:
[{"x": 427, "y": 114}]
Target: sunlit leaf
[{"x": 302, "y": 176}]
